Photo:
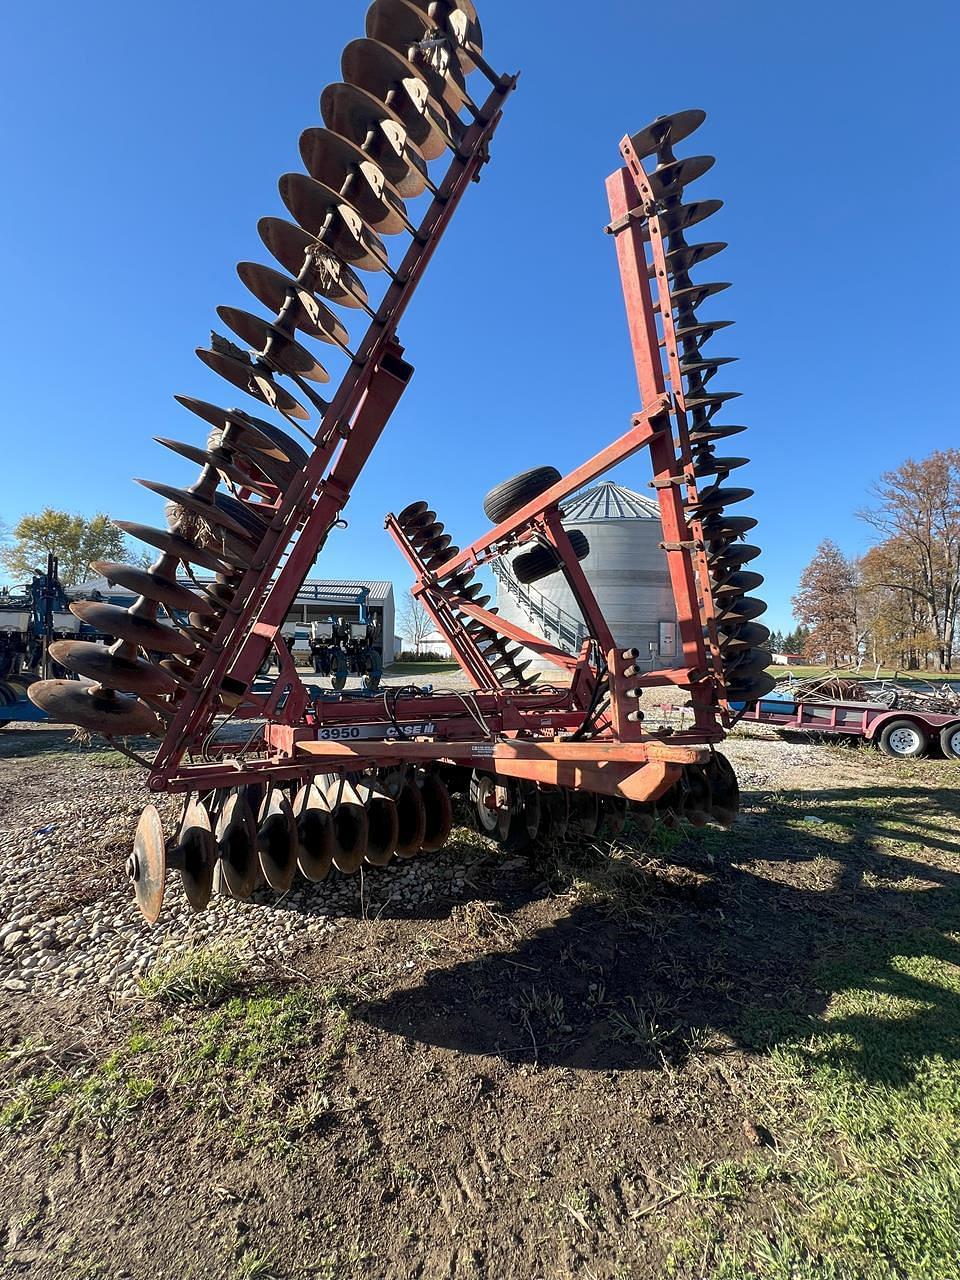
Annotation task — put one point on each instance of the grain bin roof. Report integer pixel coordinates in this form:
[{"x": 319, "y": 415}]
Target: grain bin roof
[{"x": 609, "y": 501}]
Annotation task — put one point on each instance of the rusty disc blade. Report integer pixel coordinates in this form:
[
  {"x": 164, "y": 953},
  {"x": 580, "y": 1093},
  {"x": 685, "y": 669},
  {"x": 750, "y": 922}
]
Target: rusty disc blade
[
  {"x": 312, "y": 203},
  {"x": 285, "y": 351},
  {"x": 308, "y": 314},
  {"x": 681, "y": 216},
  {"x": 743, "y": 610},
  {"x": 695, "y": 294},
  {"x": 380, "y": 71},
  {"x": 350, "y": 823},
  {"x": 731, "y": 553},
  {"x": 718, "y": 496},
  {"x": 710, "y": 432},
  {"x": 255, "y": 432},
  {"x": 751, "y": 690},
  {"x": 439, "y": 811},
  {"x": 257, "y": 482},
  {"x": 667, "y": 179},
  {"x": 331, "y": 160},
  {"x": 315, "y": 832},
  {"x": 237, "y": 841},
  {"x": 737, "y": 584},
  {"x": 328, "y": 274},
  {"x": 383, "y": 824},
  {"x": 686, "y": 256},
  {"x": 705, "y": 464},
  {"x": 164, "y": 540},
  {"x": 411, "y": 814},
  {"x": 277, "y": 841},
  {"x": 669, "y": 129},
  {"x": 372, "y": 126},
  {"x": 465, "y": 25},
  {"x": 128, "y": 675},
  {"x": 147, "y": 865},
  {"x": 112, "y": 620},
  {"x": 748, "y": 665},
  {"x": 93, "y": 708},
  {"x": 255, "y": 381},
  {"x": 747, "y": 636},
  {"x": 238, "y": 519},
  {"x": 198, "y": 855},
  {"x": 144, "y": 582},
  {"x": 181, "y": 671},
  {"x": 413, "y": 512},
  {"x": 400, "y": 26}
]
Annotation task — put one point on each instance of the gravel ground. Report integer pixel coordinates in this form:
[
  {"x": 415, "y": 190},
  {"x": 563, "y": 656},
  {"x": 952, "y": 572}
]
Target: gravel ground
[{"x": 69, "y": 920}]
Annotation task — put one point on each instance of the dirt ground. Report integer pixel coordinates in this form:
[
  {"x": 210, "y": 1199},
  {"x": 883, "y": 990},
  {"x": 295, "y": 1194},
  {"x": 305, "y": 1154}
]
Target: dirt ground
[{"x": 511, "y": 1080}]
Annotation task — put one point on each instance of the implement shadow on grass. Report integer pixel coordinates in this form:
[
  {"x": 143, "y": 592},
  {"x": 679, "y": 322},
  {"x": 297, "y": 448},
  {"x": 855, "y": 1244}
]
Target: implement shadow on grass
[{"x": 728, "y": 940}]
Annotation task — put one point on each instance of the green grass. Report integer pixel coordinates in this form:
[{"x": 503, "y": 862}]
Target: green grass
[
  {"x": 421, "y": 668},
  {"x": 207, "y": 1044},
  {"x": 867, "y": 673},
  {"x": 867, "y": 1185}
]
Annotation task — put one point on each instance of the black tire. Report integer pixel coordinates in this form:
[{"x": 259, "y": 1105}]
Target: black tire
[
  {"x": 539, "y": 562},
  {"x": 8, "y": 697},
  {"x": 904, "y": 740},
  {"x": 950, "y": 741},
  {"x": 509, "y": 496}
]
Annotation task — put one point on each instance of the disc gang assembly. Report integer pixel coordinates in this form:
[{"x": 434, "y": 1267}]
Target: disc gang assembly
[{"x": 278, "y": 783}]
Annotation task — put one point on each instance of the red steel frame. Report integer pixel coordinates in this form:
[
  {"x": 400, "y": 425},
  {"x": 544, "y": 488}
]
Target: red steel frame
[{"x": 513, "y": 732}]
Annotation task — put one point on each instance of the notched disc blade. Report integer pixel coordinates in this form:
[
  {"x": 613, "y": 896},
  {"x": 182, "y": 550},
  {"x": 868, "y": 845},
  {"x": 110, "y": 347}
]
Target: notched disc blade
[
  {"x": 237, "y": 841},
  {"x": 127, "y": 675},
  {"x": 277, "y": 841},
  {"x": 284, "y": 350},
  {"x": 147, "y": 867},
  {"x": 152, "y": 585},
  {"x": 114, "y": 621},
  {"x": 198, "y": 852},
  {"x": 255, "y": 381}
]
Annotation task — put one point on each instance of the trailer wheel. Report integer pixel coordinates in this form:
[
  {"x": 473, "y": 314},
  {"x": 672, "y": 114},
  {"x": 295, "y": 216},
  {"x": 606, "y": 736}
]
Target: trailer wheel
[
  {"x": 509, "y": 496},
  {"x": 904, "y": 739},
  {"x": 950, "y": 741}
]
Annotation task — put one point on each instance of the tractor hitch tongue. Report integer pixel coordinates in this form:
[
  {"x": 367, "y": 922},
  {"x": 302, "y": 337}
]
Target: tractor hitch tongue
[{"x": 314, "y": 785}]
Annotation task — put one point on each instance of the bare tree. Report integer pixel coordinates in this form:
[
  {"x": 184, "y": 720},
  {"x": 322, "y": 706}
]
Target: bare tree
[{"x": 415, "y": 622}]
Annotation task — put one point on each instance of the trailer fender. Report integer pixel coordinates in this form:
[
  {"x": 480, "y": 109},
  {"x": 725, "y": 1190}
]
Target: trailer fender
[{"x": 876, "y": 727}]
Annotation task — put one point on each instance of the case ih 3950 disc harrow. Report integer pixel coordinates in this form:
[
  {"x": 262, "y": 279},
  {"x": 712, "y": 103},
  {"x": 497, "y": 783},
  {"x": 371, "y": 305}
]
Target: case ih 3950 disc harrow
[{"x": 344, "y": 781}]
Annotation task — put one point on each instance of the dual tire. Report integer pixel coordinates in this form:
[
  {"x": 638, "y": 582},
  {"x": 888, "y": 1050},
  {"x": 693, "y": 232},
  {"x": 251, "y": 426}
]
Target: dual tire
[
  {"x": 505, "y": 499},
  {"x": 909, "y": 740}
]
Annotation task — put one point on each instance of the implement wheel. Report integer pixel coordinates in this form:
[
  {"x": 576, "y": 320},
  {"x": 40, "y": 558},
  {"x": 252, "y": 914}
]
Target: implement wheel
[
  {"x": 509, "y": 496},
  {"x": 950, "y": 741},
  {"x": 904, "y": 740}
]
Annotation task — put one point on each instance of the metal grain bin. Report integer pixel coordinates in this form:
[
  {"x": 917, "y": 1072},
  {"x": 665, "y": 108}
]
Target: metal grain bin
[{"x": 626, "y": 568}]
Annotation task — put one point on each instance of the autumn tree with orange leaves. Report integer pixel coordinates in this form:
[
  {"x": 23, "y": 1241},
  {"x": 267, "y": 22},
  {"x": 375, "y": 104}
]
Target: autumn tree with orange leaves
[{"x": 826, "y": 601}]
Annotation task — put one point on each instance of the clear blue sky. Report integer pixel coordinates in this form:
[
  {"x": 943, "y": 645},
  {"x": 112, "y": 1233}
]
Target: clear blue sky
[{"x": 140, "y": 144}]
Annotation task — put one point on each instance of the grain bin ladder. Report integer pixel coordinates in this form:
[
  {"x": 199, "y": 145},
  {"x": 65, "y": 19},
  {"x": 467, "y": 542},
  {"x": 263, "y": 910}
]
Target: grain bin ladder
[{"x": 277, "y": 782}]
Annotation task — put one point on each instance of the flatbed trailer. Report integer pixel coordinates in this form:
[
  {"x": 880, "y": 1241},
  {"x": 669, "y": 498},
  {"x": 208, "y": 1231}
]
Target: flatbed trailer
[{"x": 905, "y": 734}]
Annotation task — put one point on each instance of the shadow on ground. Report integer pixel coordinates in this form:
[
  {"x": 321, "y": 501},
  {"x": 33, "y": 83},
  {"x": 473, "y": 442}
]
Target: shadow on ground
[{"x": 718, "y": 940}]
